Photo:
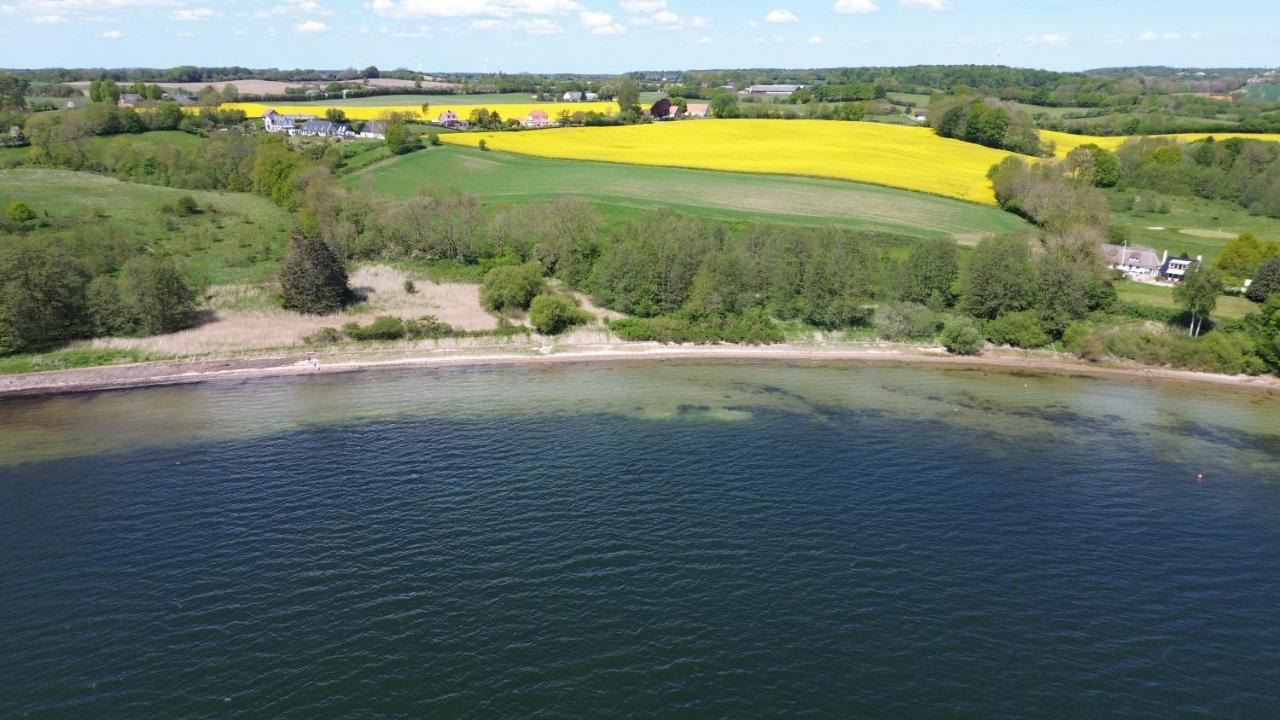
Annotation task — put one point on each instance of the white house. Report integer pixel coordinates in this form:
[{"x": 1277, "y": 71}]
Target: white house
[
  {"x": 376, "y": 129},
  {"x": 275, "y": 122},
  {"x": 537, "y": 119},
  {"x": 771, "y": 89},
  {"x": 324, "y": 128},
  {"x": 1137, "y": 262},
  {"x": 1176, "y": 269}
]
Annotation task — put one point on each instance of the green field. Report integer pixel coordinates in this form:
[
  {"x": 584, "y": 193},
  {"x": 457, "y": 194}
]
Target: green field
[
  {"x": 1194, "y": 226},
  {"x": 1229, "y": 307},
  {"x": 1264, "y": 93},
  {"x": 499, "y": 177},
  {"x": 235, "y": 238},
  {"x": 920, "y": 102}
]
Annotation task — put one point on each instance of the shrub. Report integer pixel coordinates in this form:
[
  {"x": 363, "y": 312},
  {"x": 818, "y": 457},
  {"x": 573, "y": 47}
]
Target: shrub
[
  {"x": 383, "y": 327},
  {"x": 324, "y": 336},
  {"x": 1019, "y": 329},
  {"x": 484, "y": 146},
  {"x": 898, "y": 322},
  {"x": 410, "y": 287},
  {"x": 433, "y": 139},
  {"x": 185, "y": 206},
  {"x": 552, "y": 314},
  {"x": 20, "y": 212},
  {"x": 961, "y": 338},
  {"x": 752, "y": 327},
  {"x": 511, "y": 287},
  {"x": 428, "y": 326}
]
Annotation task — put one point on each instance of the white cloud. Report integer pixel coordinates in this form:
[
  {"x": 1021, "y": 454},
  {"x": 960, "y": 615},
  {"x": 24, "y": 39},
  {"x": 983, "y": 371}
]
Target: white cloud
[
  {"x": 184, "y": 34},
  {"x": 472, "y": 8},
  {"x": 781, "y": 17},
  {"x": 539, "y": 26},
  {"x": 50, "y": 20},
  {"x": 311, "y": 26},
  {"x": 423, "y": 31},
  {"x": 666, "y": 18},
  {"x": 643, "y": 6},
  {"x": 194, "y": 15},
  {"x": 814, "y": 40},
  {"x": 601, "y": 23},
  {"x": 699, "y": 21},
  {"x": 488, "y": 24},
  {"x": 112, "y": 35},
  {"x": 705, "y": 40},
  {"x": 934, "y": 5},
  {"x": 1055, "y": 39},
  {"x": 855, "y": 7},
  {"x": 1152, "y": 36}
]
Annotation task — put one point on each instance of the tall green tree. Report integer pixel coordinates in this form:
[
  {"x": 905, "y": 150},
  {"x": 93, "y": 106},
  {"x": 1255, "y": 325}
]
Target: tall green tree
[
  {"x": 13, "y": 92},
  {"x": 628, "y": 95},
  {"x": 1198, "y": 294},
  {"x": 1266, "y": 282},
  {"x": 930, "y": 272},
  {"x": 1000, "y": 278},
  {"x": 312, "y": 278},
  {"x": 156, "y": 296}
]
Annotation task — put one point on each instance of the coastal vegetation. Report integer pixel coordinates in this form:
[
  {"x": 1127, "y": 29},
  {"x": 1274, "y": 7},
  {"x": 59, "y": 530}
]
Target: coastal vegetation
[{"x": 959, "y": 241}]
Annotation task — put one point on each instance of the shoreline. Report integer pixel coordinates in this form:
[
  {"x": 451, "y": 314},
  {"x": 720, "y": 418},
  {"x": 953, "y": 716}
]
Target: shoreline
[{"x": 190, "y": 371}]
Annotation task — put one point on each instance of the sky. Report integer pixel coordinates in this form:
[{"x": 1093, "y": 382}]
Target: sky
[{"x": 610, "y": 36}]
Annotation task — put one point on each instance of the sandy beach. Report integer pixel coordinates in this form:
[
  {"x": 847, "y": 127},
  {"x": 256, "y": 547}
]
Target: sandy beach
[{"x": 356, "y": 360}]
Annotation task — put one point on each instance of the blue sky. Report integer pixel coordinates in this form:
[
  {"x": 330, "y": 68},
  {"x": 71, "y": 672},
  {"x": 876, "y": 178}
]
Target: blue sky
[{"x": 617, "y": 35}]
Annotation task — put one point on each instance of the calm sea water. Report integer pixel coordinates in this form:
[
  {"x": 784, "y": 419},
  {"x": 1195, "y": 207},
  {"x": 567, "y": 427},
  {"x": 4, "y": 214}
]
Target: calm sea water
[{"x": 666, "y": 541}]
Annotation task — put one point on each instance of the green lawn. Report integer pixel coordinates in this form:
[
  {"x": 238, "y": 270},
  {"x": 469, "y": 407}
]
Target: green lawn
[
  {"x": 236, "y": 238},
  {"x": 1229, "y": 306},
  {"x": 499, "y": 177},
  {"x": 1194, "y": 226},
  {"x": 921, "y": 102}
]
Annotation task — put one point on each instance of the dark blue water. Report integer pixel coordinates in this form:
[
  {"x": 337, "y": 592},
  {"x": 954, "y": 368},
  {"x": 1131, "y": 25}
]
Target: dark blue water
[{"x": 792, "y": 552}]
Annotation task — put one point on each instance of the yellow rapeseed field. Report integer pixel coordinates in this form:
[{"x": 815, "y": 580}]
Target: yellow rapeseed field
[
  {"x": 375, "y": 112},
  {"x": 912, "y": 158},
  {"x": 1067, "y": 142}
]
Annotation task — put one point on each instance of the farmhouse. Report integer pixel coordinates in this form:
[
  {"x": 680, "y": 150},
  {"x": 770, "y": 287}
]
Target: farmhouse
[
  {"x": 324, "y": 128},
  {"x": 1137, "y": 262},
  {"x": 536, "y": 119},
  {"x": 376, "y": 129},
  {"x": 771, "y": 89},
  {"x": 450, "y": 119},
  {"x": 275, "y": 122},
  {"x": 696, "y": 110},
  {"x": 129, "y": 100}
]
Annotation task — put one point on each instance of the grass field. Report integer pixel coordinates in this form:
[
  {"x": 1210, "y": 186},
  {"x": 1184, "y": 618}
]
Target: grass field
[
  {"x": 236, "y": 237},
  {"x": 1194, "y": 226},
  {"x": 911, "y": 158},
  {"x": 1229, "y": 307},
  {"x": 503, "y": 177},
  {"x": 462, "y": 105}
]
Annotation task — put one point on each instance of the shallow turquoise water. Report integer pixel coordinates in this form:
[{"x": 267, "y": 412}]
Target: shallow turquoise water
[{"x": 678, "y": 540}]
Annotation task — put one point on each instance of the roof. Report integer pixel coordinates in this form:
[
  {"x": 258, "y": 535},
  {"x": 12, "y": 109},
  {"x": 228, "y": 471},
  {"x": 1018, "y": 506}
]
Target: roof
[
  {"x": 697, "y": 107},
  {"x": 1133, "y": 255},
  {"x": 773, "y": 88},
  {"x": 538, "y": 114},
  {"x": 375, "y": 126},
  {"x": 130, "y": 97},
  {"x": 318, "y": 126}
]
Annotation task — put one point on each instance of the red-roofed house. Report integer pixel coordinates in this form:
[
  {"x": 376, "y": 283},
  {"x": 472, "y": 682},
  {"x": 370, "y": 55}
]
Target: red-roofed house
[{"x": 536, "y": 119}]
